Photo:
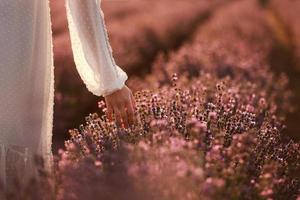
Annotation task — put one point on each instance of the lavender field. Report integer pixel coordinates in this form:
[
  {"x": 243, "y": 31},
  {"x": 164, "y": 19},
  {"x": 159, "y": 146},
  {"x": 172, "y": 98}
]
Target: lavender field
[{"x": 217, "y": 92}]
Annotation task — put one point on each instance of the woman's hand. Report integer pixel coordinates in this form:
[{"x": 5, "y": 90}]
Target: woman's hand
[{"x": 121, "y": 103}]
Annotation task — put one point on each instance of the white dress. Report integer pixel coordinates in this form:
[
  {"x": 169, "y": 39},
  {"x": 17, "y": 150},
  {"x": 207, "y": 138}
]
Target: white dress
[{"x": 27, "y": 78}]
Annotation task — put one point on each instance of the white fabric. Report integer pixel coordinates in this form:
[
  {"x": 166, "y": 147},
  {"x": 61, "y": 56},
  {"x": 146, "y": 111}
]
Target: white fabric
[
  {"x": 91, "y": 48},
  {"x": 27, "y": 78}
]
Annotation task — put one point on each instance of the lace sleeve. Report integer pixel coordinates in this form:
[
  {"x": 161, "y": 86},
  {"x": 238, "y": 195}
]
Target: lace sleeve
[{"x": 91, "y": 48}]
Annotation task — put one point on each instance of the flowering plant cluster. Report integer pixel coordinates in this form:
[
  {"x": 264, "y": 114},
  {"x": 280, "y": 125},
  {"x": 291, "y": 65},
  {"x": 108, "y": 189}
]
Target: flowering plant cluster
[{"x": 201, "y": 139}]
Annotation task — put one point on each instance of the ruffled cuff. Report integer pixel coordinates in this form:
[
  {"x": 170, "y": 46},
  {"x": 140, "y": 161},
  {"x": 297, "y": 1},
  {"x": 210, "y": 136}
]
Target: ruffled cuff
[
  {"x": 104, "y": 88},
  {"x": 116, "y": 85}
]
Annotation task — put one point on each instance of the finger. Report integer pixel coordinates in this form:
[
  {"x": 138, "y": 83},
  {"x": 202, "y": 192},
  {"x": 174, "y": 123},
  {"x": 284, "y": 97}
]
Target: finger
[
  {"x": 109, "y": 112},
  {"x": 134, "y": 110},
  {"x": 130, "y": 113},
  {"x": 133, "y": 102},
  {"x": 124, "y": 116},
  {"x": 118, "y": 118}
]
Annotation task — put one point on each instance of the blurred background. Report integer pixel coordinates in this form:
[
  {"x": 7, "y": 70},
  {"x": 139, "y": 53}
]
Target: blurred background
[{"x": 143, "y": 33}]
